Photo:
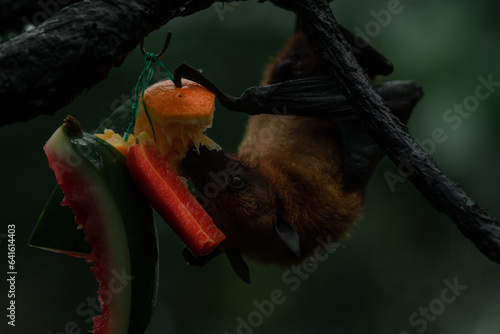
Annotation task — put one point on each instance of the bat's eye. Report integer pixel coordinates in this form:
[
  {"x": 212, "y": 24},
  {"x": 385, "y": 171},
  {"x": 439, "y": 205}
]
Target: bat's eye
[{"x": 236, "y": 182}]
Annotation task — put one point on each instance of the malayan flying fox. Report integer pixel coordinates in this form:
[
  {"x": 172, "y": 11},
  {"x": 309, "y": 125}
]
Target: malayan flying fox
[{"x": 296, "y": 177}]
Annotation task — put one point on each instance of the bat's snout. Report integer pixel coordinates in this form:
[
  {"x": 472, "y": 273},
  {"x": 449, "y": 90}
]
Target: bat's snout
[{"x": 201, "y": 166}]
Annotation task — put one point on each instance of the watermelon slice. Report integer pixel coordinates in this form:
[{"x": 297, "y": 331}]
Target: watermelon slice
[
  {"x": 54, "y": 229},
  {"x": 117, "y": 223},
  {"x": 170, "y": 197}
]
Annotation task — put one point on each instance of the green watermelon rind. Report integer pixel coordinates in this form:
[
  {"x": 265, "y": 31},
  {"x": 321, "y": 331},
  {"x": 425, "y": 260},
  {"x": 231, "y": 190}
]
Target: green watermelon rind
[
  {"x": 53, "y": 230},
  {"x": 129, "y": 233}
]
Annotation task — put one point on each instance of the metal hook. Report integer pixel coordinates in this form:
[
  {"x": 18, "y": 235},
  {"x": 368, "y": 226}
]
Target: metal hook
[{"x": 165, "y": 46}]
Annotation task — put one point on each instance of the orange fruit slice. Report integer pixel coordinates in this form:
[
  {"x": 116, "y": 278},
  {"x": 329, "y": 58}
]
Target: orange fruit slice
[{"x": 179, "y": 117}]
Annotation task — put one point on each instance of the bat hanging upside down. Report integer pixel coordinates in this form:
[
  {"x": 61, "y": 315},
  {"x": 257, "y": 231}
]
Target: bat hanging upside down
[{"x": 302, "y": 168}]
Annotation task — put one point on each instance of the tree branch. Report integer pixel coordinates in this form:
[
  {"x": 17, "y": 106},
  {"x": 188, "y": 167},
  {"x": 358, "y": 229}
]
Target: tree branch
[
  {"x": 319, "y": 24},
  {"x": 46, "y": 68}
]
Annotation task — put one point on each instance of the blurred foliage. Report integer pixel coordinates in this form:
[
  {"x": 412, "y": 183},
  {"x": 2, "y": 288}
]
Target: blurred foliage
[{"x": 398, "y": 256}]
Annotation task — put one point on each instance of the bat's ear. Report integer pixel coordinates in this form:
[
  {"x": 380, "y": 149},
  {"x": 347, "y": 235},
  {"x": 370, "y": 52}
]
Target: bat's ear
[
  {"x": 239, "y": 265},
  {"x": 287, "y": 232}
]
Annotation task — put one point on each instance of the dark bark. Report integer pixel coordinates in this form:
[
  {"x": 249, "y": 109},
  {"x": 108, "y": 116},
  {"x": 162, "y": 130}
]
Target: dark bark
[
  {"x": 44, "y": 69},
  {"x": 319, "y": 24}
]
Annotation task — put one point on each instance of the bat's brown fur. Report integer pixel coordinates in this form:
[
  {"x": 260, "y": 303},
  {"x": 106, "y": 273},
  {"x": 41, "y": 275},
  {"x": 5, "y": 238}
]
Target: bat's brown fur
[{"x": 299, "y": 160}]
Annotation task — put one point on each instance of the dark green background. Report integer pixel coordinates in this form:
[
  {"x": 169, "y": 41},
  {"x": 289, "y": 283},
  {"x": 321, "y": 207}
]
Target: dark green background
[{"x": 398, "y": 255}]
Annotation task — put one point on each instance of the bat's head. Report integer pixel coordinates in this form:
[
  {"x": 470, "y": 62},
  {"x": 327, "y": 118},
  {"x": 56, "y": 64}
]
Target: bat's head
[{"x": 237, "y": 197}]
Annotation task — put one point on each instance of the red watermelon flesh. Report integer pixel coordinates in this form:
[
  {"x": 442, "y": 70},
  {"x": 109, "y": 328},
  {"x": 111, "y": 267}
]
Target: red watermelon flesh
[{"x": 171, "y": 199}]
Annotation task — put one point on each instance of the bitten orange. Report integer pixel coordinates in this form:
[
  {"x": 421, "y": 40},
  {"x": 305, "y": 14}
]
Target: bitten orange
[{"x": 179, "y": 117}]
